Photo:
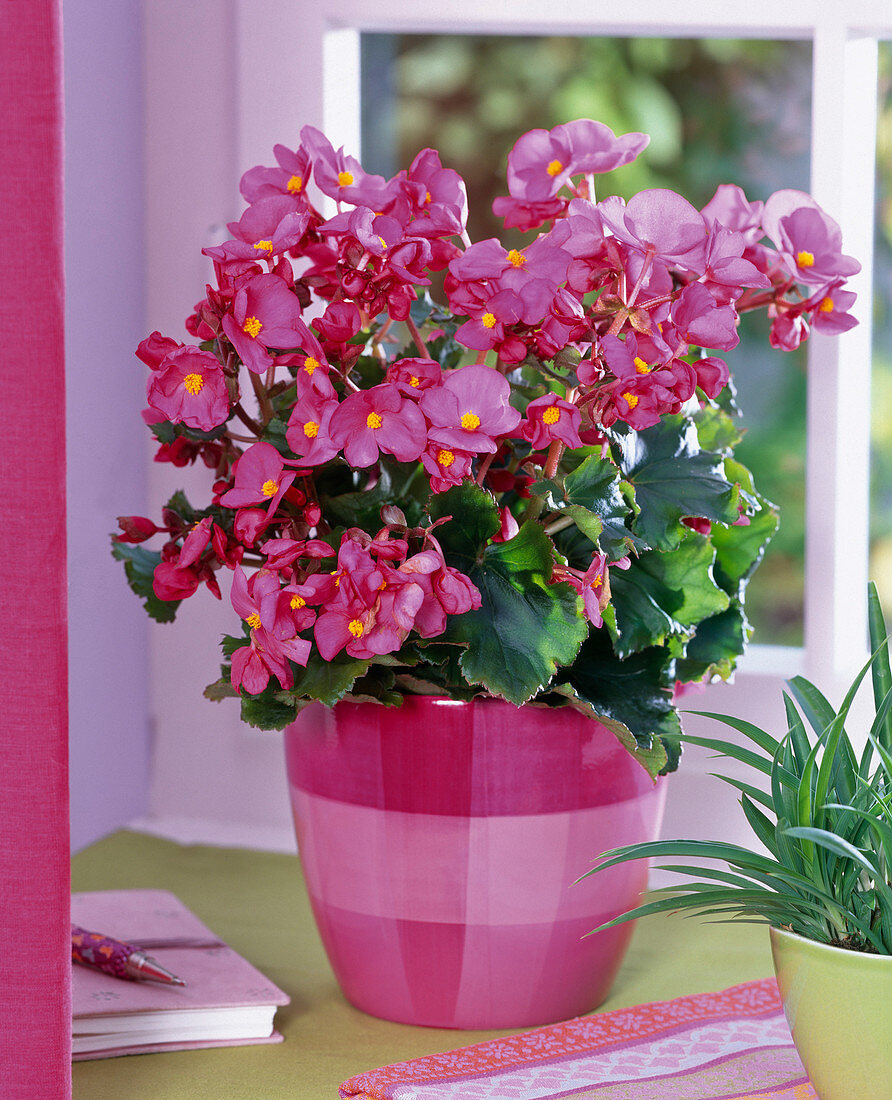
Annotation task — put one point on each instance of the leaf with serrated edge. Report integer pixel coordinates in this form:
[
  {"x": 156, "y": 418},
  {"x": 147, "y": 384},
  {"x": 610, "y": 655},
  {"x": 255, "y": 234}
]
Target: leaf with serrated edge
[{"x": 526, "y": 627}]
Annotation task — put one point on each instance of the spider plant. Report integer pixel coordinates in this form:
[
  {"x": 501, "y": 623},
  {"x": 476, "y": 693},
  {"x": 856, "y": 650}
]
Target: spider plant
[{"x": 825, "y": 820}]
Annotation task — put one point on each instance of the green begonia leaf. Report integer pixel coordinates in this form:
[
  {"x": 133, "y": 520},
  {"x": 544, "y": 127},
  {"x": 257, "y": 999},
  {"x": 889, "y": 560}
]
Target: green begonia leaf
[
  {"x": 716, "y": 429},
  {"x": 327, "y": 681},
  {"x": 474, "y": 519},
  {"x": 271, "y": 710},
  {"x": 663, "y": 593},
  {"x": 636, "y": 691},
  {"x": 673, "y": 478},
  {"x": 595, "y": 485},
  {"x": 139, "y": 567},
  {"x": 525, "y": 627},
  {"x": 739, "y": 548},
  {"x": 717, "y": 643}
]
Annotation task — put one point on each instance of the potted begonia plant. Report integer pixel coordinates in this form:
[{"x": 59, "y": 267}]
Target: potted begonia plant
[
  {"x": 821, "y": 876},
  {"x": 517, "y": 509}
]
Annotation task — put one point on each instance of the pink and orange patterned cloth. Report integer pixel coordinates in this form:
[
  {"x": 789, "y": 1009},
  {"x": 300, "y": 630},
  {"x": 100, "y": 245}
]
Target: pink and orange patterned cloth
[{"x": 732, "y": 1045}]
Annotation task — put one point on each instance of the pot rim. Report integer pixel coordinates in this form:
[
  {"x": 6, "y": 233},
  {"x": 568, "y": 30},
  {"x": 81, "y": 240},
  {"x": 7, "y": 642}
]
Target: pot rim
[{"x": 867, "y": 958}]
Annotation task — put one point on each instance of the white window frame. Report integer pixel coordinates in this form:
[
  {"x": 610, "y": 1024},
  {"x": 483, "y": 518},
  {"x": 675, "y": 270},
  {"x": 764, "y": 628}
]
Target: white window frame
[{"x": 292, "y": 62}]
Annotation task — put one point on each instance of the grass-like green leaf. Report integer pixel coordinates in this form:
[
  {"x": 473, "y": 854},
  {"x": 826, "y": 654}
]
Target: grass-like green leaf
[{"x": 826, "y": 822}]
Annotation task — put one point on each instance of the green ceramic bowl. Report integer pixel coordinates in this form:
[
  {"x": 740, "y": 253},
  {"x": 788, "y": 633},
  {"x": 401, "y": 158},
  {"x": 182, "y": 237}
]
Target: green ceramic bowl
[{"x": 838, "y": 1004}]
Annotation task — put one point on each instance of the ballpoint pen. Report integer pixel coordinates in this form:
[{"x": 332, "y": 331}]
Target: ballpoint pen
[{"x": 121, "y": 960}]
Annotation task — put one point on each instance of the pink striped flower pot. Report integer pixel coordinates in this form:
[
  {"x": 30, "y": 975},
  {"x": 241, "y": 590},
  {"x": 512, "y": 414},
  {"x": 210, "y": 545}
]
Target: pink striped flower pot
[{"x": 440, "y": 842}]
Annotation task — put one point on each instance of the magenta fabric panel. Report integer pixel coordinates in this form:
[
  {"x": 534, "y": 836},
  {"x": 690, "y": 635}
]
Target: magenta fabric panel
[{"x": 35, "y": 978}]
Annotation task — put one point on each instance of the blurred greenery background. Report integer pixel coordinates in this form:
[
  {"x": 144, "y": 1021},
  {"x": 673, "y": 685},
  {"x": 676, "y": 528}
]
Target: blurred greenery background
[{"x": 718, "y": 111}]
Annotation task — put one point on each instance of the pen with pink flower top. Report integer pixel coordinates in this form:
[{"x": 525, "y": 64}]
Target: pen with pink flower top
[{"x": 121, "y": 960}]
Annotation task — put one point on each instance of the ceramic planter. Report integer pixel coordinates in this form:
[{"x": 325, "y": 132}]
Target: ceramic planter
[
  {"x": 440, "y": 842},
  {"x": 838, "y": 1004}
]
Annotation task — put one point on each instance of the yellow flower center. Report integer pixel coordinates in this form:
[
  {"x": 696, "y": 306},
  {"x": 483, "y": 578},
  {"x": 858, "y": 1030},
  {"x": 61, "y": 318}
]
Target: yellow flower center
[
  {"x": 489, "y": 320},
  {"x": 263, "y": 246},
  {"x": 252, "y": 326},
  {"x": 253, "y": 621},
  {"x": 374, "y": 421},
  {"x": 597, "y": 582},
  {"x": 311, "y": 429},
  {"x": 631, "y": 399},
  {"x": 805, "y": 259},
  {"x": 445, "y": 458},
  {"x": 640, "y": 366},
  {"x": 414, "y": 382},
  {"x": 470, "y": 422},
  {"x": 551, "y": 415},
  {"x": 517, "y": 258},
  {"x": 345, "y": 178},
  {"x": 826, "y": 305},
  {"x": 295, "y": 184},
  {"x": 193, "y": 383},
  {"x": 555, "y": 168},
  {"x": 383, "y": 242},
  {"x": 270, "y": 488},
  {"x": 297, "y": 602},
  {"x": 356, "y": 628},
  {"x": 310, "y": 364}
]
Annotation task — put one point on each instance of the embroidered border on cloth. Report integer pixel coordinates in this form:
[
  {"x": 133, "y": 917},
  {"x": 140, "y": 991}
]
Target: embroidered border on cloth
[{"x": 734, "y": 1043}]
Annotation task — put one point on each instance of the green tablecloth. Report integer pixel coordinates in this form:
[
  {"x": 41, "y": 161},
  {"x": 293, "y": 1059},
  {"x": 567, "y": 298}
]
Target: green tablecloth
[{"x": 256, "y": 902}]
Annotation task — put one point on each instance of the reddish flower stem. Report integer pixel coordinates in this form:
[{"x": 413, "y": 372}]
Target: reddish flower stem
[{"x": 416, "y": 336}]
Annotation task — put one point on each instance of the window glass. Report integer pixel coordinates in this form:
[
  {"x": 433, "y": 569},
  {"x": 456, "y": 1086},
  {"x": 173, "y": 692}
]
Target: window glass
[{"x": 717, "y": 110}]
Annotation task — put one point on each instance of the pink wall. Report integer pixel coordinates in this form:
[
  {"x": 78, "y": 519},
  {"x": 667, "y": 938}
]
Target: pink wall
[{"x": 107, "y": 446}]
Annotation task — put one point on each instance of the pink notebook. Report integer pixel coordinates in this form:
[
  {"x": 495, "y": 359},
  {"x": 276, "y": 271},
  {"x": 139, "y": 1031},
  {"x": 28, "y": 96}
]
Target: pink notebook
[{"x": 225, "y": 1002}]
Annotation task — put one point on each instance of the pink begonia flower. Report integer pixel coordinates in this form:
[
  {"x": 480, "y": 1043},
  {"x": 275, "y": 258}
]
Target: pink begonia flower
[
  {"x": 712, "y": 375},
  {"x": 195, "y": 542},
  {"x": 439, "y": 201},
  {"x": 534, "y": 272},
  {"x": 309, "y": 427},
  {"x": 413, "y": 376},
  {"x": 379, "y": 419},
  {"x": 543, "y": 160},
  {"x": 260, "y": 478},
  {"x": 508, "y": 526},
  {"x": 729, "y": 208},
  {"x": 726, "y": 272},
  {"x": 702, "y": 321},
  {"x": 312, "y": 363},
  {"x": 265, "y": 314},
  {"x": 189, "y": 387},
  {"x": 446, "y": 467},
  {"x": 290, "y": 178},
  {"x": 171, "y": 582},
  {"x": 342, "y": 177},
  {"x": 136, "y": 529},
  {"x": 551, "y": 417},
  {"x": 446, "y": 590},
  {"x": 155, "y": 348},
  {"x": 339, "y": 323},
  {"x": 565, "y": 323},
  {"x": 658, "y": 222},
  {"x": 268, "y": 228},
  {"x": 282, "y": 552},
  {"x": 470, "y": 410},
  {"x": 594, "y": 586},
  {"x": 829, "y": 310},
  {"x": 788, "y": 329},
  {"x": 249, "y": 524},
  {"x": 808, "y": 241},
  {"x": 524, "y": 215},
  {"x": 487, "y": 329},
  {"x": 273, "y": 641}
]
